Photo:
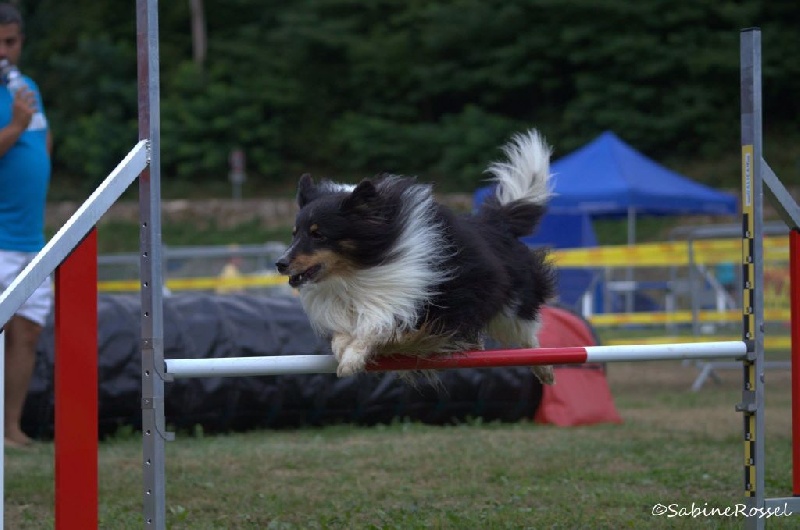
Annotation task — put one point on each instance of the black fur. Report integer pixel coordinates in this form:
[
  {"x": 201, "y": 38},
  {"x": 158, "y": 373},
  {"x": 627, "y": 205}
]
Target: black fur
[{"x": 492, "y": 268}]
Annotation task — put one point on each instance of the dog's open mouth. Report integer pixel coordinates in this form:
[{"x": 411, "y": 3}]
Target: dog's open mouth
[{"x": 308, "y": 275}]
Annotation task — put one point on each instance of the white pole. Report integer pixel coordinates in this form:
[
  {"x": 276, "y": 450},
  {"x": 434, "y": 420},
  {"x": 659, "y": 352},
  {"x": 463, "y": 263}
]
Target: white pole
[
  {"x": 665, "y": 352},
  {"x": 323, "y": 364},
  {"x": 237, "y": 366}
]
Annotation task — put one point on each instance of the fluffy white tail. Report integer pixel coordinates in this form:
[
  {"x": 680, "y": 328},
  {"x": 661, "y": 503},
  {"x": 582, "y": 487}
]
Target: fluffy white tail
[{"x": 525, "y": 176}]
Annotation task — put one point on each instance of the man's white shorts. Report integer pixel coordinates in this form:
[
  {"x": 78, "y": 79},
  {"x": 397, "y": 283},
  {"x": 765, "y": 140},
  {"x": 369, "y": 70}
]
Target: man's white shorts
[{"x": 38, "y": 306}]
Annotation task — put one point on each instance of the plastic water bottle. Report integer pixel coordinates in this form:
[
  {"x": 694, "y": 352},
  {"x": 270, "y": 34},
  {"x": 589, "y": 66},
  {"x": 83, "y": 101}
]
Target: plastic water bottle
[{"x": 12, "y": 77}]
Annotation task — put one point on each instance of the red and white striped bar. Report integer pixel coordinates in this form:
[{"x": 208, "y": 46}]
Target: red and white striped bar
[{"x": 321, "y": 364}]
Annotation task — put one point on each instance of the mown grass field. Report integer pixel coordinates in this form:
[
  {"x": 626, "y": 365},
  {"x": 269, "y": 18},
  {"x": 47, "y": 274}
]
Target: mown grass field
[{"x": 674, "y": 446}]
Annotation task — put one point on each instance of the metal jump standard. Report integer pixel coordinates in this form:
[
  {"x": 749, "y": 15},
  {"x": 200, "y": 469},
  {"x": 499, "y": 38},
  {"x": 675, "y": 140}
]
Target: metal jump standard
[{"x": 72, "y": 253}]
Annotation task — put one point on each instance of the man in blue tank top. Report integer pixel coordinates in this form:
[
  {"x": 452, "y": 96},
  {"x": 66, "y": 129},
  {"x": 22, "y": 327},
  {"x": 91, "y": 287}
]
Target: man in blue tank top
[{"x": 25, "y": 145}]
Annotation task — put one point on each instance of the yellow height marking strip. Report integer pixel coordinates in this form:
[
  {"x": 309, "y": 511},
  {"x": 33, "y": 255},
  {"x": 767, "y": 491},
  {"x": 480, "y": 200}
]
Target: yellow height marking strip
[
  {"x": 750, "y": 438},
  {"x": 681, "y": 317},
  {"x": 187, "y": 284},
  {"x": 748, "y": 316},
  {"x": 707, "y": 252}
]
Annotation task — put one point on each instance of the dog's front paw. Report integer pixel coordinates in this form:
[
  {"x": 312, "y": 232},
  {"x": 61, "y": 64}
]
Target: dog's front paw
[
  {"x": 350, "y": 365},
  {"x": 338, "y": 345},
  {"x": 545, "y": 374},
  {"x": 352, "y": 361}
]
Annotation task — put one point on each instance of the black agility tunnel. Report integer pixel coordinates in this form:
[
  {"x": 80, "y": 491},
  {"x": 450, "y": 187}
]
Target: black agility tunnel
[{"x": 199, "y": 325}]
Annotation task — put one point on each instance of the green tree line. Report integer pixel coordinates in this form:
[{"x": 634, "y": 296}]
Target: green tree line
[{"x": 349, "y": 88}]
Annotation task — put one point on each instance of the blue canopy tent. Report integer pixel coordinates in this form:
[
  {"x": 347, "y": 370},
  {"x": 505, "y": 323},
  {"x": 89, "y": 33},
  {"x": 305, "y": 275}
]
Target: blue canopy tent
[{"x": 608, "y": 177}]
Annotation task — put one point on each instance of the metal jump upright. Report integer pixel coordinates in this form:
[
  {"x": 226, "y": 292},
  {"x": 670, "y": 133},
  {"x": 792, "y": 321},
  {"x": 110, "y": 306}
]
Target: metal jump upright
[
  {"x": 152, "y": 321},
  {"x": 752, "y": 405},
  {"x": 758, "y": 177}
]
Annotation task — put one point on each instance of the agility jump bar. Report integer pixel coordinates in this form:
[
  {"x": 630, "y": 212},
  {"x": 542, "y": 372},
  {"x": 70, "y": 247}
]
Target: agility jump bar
[{"x": 320, "y": 364}]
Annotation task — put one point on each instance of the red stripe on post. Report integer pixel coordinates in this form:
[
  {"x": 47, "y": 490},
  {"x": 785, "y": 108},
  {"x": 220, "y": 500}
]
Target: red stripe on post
[
  {"x": 76, "y": 388},
  {"x": 794, "y": 292},
  {"x": 482, "y": 359}
]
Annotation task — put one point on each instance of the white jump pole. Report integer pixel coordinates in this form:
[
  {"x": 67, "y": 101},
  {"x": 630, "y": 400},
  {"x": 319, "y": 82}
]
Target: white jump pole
[{"x": 318, "y": 364}]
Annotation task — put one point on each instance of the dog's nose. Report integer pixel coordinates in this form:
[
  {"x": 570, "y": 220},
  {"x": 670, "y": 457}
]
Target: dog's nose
[{"x": 282, "y": 264}]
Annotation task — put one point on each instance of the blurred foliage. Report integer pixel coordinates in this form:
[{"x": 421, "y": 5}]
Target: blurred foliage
[{"x": 347, "y": 88}]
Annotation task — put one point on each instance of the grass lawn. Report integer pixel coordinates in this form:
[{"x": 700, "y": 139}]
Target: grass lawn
[{"x": 675, "y": 446}]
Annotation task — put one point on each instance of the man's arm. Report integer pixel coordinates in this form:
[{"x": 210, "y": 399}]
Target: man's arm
[{"x": 22, "y": 109}]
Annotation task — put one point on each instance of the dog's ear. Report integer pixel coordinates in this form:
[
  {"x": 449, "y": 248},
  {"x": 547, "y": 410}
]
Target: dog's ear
[
  {"x": 363, "y": 196},
  {"x": 306, "y": 190}
]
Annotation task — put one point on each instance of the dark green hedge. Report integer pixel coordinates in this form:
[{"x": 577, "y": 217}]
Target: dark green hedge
[{"x": 349, "y": 88}]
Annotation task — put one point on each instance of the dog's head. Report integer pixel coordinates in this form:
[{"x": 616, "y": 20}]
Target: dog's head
[{"x": 338, "y": 230}]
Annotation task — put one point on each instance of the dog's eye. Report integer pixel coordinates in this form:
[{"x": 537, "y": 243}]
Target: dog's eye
[{"x": 313, "y": 231}]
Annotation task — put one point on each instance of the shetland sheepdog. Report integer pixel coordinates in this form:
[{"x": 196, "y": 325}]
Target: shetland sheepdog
[{"x": 383, "y": 268}]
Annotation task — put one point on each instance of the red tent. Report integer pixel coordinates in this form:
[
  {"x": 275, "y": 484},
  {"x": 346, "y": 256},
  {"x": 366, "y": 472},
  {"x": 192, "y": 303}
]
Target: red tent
[{"x": 581, "y": 395}]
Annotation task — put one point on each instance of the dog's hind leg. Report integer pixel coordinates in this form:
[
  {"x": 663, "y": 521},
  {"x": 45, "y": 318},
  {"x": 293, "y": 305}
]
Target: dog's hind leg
[{"x": 513, "y": 331}]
